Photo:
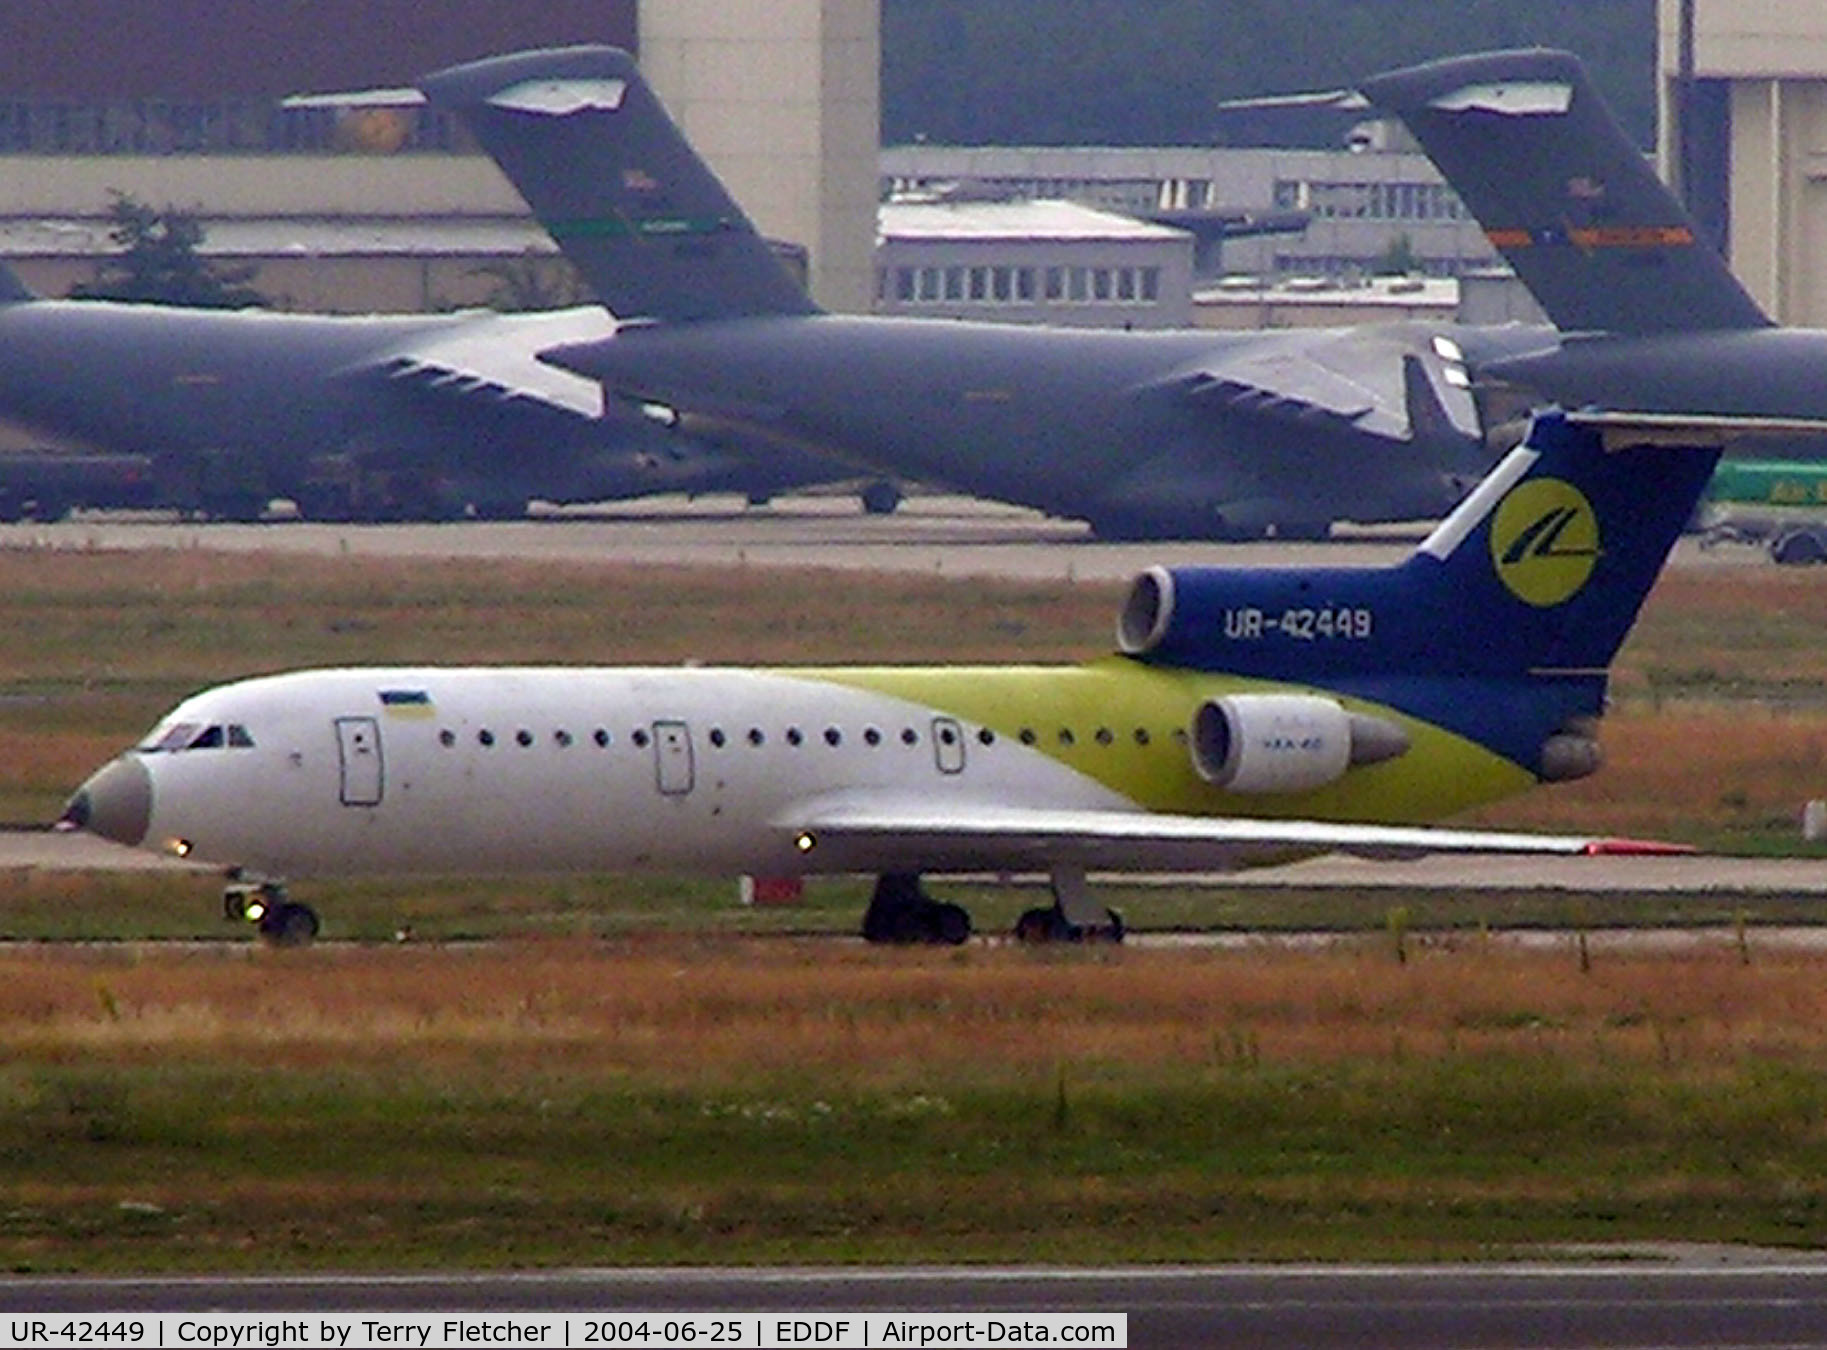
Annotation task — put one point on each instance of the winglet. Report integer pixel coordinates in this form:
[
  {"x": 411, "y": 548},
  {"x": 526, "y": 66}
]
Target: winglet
[
  {"x": 12, "y": 290},
  {"x": 585, "y": 140},
  {"x": 1637, "y": 848}
]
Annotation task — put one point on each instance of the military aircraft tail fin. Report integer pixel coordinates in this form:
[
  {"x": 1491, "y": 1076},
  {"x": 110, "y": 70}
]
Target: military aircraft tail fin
[
  {"x": 1539, "y": 571},
  {"x": 1531, "y": 148},
  {"x": 13, "y": 290},
  {"x": 615, "y": 183}
]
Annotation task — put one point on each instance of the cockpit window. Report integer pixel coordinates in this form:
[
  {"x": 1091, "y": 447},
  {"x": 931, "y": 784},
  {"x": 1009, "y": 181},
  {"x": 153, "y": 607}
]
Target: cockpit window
[
  {"x": 173, "y": 737},
  {"x": 190, "y": 736}
]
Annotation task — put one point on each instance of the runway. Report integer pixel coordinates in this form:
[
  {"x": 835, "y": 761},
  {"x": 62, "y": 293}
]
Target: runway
[
  {"x": 1696, "y": 874},
  {"x": 936, "y": 534},
  {"x": 1695, "y": 1297}
]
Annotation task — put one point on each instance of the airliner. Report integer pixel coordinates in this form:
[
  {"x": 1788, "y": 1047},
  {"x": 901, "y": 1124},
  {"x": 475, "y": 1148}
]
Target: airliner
[{"x": 1249, "y": 715}]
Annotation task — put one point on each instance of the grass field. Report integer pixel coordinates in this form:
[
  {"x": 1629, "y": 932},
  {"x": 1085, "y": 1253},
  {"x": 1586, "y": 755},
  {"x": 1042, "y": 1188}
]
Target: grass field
[
  {"x": 633, "y": 1076},
  {"x": 667, "y": 1099}
]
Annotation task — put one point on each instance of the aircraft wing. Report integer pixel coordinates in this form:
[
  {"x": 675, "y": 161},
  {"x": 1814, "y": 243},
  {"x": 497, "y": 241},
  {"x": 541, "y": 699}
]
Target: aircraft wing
[
  {"x": 1368, "y": 380},
  {"x": 494, "y": 358},
  {"x": 873, "y": 834}
]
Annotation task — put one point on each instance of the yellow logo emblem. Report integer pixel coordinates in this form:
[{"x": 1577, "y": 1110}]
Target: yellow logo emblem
[{"x": 1544, "y": 541}]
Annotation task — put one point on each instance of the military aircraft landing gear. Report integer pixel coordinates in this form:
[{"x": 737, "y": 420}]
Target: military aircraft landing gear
[
  {"x": 282, "y": 922},
  {"x": 899, "y": 911},
  {"x": 1072, "y": 917}
]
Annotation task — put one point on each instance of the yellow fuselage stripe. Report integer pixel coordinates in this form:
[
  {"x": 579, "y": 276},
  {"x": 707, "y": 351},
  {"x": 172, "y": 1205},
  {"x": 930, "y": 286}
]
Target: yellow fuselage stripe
[{"x": 1087, "y": 717}]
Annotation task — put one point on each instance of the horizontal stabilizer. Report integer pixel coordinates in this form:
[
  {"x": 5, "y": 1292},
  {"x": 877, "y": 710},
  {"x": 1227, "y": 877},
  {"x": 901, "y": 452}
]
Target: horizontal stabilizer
[{"x": 1689, "y": 430}]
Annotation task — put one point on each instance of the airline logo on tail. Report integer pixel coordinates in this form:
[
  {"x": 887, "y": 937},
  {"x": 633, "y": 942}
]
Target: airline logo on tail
[{"x": 1544, "y": 541}]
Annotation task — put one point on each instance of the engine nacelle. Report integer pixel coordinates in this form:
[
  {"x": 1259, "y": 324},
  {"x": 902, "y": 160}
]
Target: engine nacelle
[{"x": 1286, "y": 742}]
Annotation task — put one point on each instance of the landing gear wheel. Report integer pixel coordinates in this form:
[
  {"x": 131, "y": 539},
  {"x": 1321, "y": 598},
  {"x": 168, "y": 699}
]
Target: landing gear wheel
[
  {"x": 1798, "y": 548},
  {"x": 900, "y": 912},
  {"x": 1048, "y": 923},
  {"x": 881, "y": 497},
  {"x": 289, "y": 925}
]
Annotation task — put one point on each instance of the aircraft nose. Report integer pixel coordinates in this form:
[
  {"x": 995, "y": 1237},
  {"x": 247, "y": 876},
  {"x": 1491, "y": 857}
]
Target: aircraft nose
[{"x": 115, "y": 803}]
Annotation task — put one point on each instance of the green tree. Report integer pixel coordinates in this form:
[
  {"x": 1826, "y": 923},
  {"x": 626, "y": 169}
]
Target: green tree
[
  {"x": 1397, "y": 260},
  {"x": 532, "y": 282},
  {"x": 159, "y": 263}
]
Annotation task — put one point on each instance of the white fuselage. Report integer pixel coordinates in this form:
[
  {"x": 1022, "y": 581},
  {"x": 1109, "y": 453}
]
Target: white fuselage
[{"x": 562, "y": 769}]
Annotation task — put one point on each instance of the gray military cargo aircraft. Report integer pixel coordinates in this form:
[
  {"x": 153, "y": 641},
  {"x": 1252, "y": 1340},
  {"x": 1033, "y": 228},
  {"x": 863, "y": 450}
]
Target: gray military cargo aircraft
[
  {"x": 1655, "y": 323},
  {"x": 379, "y": 417},
  {"x": 1164, "y": 434}
]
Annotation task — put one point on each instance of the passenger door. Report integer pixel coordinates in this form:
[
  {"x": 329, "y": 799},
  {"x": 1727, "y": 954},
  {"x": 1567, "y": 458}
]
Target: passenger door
[
  {"x": 358, "y": 746},
  {"x": 948, "y": 745}
]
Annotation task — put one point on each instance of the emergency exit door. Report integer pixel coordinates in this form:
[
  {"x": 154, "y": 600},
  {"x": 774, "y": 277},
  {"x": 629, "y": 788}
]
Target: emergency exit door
[
  {"x": 672, "y": 764},
  {"x": 358, "y": 746}
]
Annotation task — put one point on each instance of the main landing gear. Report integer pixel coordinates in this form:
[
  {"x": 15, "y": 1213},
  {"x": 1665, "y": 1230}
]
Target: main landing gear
[
  {"x": 901, "y": 912},
  {"x": 282, "y": 922},
  {"x": 1074, "y": 915}
]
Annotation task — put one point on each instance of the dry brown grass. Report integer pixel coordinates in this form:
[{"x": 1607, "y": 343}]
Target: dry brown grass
[
  {"x": 693, "y": 1013},
  {"x": 1730, "y": 768}
]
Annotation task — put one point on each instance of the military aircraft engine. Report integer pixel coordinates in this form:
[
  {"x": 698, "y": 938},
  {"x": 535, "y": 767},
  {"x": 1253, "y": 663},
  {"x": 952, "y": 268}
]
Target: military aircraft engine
[{"x": 1285, "y": 742}]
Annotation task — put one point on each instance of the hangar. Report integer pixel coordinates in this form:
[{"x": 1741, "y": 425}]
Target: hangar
[{"x": 1743, "y": 94}]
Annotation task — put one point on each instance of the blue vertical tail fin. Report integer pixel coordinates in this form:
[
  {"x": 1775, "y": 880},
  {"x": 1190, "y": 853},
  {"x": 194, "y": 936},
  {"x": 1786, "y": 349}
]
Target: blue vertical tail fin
[
  {"x": 1502, "y": 624},
  {"x": 1539, "y": 571},
  {"x": 583, "y": 137}
]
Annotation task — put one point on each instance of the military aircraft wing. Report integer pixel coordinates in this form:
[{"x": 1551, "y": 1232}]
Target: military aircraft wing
[
  {"x": 1369, "y": 379},
  {"x": 870, "y": 833},
  {"x": 495, "y": 358}
]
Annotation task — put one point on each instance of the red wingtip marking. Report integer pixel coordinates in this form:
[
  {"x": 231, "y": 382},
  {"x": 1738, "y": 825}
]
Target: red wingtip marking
[{"x": 1636, "y": 848}]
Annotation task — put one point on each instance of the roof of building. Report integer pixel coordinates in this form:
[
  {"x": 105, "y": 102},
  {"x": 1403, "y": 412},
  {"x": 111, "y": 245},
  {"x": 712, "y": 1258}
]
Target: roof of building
[
  {"x": 1052, "y": 220},
  {"x": 1370, "y": 292},
  {"x": 305, "y": 238}
]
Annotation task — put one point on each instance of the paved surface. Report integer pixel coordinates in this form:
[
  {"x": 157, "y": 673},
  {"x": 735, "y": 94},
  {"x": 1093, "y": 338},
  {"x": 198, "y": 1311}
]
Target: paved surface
[
  {"x": 1683, "y": 875},
  {"x": 1707, "y": 1299},
  {"x": 944, "y": 535}
]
